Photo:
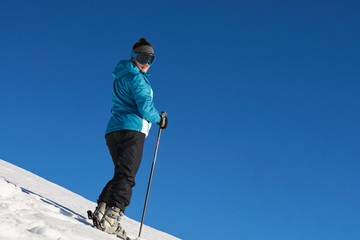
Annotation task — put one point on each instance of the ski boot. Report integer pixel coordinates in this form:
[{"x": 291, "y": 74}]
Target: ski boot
[
  {"x": 111, "y": 222},
  {"x": 97, "y": 215}
]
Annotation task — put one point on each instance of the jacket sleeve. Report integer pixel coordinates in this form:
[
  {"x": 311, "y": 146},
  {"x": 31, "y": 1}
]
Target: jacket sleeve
[{"x": 143, "y": 96}]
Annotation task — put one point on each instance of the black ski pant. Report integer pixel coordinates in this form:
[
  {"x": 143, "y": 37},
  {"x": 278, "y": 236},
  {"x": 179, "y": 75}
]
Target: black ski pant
[{"x": 126, "y": 148}]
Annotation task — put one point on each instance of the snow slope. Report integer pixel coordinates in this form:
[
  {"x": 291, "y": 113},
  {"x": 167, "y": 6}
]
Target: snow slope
[{"x": 32, "y": 208}]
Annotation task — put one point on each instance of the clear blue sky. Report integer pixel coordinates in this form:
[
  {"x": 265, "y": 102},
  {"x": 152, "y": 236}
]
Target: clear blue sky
[{"x": 263, "y": 140}]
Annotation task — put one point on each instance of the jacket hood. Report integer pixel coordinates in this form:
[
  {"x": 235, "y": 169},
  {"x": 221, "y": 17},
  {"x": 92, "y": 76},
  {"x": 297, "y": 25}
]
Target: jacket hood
[{"x": 126, "y": 66}]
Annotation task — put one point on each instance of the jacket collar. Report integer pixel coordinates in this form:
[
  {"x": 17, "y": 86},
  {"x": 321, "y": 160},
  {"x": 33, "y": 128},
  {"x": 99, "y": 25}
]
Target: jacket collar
[{"x": 135, "y": 69}]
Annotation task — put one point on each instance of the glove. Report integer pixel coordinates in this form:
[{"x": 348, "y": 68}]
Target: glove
[{"x": 163, "y": 122}]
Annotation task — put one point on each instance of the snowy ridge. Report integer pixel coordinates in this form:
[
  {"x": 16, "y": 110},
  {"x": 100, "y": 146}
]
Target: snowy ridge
[{"x": 32, "y": 208}]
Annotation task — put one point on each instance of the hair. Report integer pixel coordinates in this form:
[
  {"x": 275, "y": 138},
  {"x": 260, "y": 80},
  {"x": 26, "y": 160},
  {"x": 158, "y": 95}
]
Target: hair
[{"x": 142, "y": 41}]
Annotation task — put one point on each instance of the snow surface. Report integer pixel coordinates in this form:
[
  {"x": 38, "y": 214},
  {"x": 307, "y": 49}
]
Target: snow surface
[{"x": 32, "y": 208}]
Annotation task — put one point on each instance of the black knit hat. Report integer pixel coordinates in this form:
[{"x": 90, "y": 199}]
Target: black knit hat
[{"x": 143, "y": 46}]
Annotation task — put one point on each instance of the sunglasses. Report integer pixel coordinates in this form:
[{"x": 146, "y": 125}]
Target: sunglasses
[{"x": 143, "y": 58}]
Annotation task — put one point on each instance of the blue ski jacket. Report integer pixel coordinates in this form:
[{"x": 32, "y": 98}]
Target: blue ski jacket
[{"x": 133, "y": 106}]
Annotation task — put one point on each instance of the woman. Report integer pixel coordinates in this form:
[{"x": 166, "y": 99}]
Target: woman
[{"x": 132, "y": 113}]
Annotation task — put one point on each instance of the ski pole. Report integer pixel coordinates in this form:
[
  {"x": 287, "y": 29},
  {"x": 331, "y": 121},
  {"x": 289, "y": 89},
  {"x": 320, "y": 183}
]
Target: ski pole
[{"x": 151, "y": 175}]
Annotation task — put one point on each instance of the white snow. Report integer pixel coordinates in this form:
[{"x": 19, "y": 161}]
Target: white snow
[{"x": 32, "y": 208}]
